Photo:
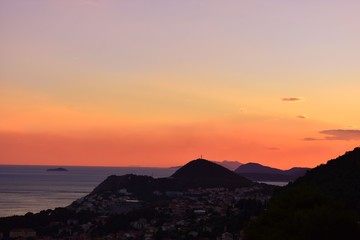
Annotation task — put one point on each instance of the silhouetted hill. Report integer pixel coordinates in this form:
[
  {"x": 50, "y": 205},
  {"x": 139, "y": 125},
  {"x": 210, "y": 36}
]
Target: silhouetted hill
[
  {"x": 339, "y": 177},
  {"x": 231, "y": 165},
  {"x": 140, "y": 184},
  {"x": 323, "y": 204},
  {"x": 205, "y": 173},
  {"x": 123, "y": 194},
  {"x": 258, "y": 172},
  {"x": 297, "y": 171},
  {"x": 203, "y": 169},
  {"x": 257, "y": 168},
  {"x": 142, "y": 187},
  {"x": 197, "y": 173},
  {"x": 130, "y": 181}
]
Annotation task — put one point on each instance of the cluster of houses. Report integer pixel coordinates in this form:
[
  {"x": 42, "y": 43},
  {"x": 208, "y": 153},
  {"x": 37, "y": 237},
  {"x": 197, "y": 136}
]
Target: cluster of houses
[
  {"x": 118, "y": 202},
  {"x": 186, "y": 215},
  {"x": 191, "y": 212}
]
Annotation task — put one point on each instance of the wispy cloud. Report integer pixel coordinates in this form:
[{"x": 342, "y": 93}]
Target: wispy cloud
[
  {"x": 342, "y": 134},
  {"x": 302, "y": 116},
  {"x": 311, "y": 139},
  {"x": 291, "y": 99},
  {"x": 337, "y": 134}
]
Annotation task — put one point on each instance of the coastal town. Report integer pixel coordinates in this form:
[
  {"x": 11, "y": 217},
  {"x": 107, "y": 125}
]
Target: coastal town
[{"x": 199, "y": 213}]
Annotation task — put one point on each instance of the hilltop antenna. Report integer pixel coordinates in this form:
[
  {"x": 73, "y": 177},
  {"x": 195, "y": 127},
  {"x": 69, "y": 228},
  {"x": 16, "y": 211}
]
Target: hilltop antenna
[{"x": 201, "y": 157}]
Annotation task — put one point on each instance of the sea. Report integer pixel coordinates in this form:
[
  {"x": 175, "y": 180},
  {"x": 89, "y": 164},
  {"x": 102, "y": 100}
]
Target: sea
[
  {"x": 26, "y": 189},
  {"x": 280, "y": 184}
]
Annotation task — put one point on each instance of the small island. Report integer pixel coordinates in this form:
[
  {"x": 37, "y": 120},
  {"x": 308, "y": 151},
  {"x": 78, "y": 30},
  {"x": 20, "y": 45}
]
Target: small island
[{"x": 56, "y": 170}]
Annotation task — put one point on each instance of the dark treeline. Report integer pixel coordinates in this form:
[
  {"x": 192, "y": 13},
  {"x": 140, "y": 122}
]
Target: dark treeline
[{"x": 324, "y": 204}]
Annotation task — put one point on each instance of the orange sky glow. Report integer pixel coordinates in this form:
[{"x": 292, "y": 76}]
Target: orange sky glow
[{"x": 134, "y": 83}]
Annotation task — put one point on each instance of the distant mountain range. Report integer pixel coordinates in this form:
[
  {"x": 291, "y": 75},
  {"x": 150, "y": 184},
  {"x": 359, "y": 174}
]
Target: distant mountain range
[
  {"x": 196, "y": 173},
  {"x": 231, "y": 165},
  {"x": 258, "y": 172},
  {"x": 322, "y": 204}
]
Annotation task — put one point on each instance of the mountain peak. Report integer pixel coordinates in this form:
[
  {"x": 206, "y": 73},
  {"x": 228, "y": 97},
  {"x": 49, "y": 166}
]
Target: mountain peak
[
  {"x": 257, "y": 168},
  {"x": 258, "y": 172},
  {"x": 208, "y": 173},
  {"x": 200, "y": 167}
]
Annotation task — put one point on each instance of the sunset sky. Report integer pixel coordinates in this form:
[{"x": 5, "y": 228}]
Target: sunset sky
[{"x": 158, "y": 83}]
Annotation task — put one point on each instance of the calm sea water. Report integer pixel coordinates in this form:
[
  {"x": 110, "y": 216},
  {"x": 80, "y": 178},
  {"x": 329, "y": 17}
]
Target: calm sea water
[
  {"x": 280, "y": 184},
  {"x": 32, "y": 189}
]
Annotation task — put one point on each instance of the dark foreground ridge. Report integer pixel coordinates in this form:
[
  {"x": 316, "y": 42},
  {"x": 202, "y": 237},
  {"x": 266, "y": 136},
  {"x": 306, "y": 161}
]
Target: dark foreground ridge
[{"x": 323, "y": 204}]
